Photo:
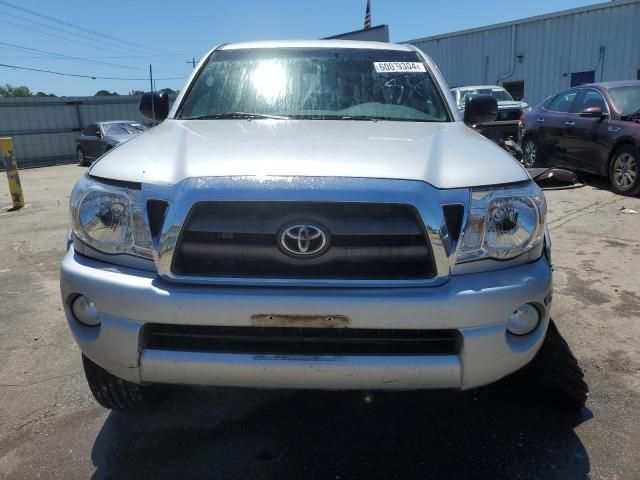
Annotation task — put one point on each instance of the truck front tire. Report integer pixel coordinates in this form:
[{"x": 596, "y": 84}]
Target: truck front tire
[
  {"x": 557, "y": 371},
  {"x": 115, "y": 393}
]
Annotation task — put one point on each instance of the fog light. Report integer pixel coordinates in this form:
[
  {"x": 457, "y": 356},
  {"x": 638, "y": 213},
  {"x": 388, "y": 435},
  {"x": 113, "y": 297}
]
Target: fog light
[
  {"x": 85, "y": 311},
  {"x": 524, "y": 320}
]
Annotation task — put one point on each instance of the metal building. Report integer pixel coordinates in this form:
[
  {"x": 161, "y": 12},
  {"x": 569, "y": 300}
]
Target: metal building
[
  {"x": 537, "y": 56},
  {"x": 44, "y": 128}
]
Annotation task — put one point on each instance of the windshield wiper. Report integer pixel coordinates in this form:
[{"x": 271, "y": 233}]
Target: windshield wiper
[
  {"x": 354, "y": 117},
  {"x": 236, "y": 116},
  {"x": 633, "y": 115}
]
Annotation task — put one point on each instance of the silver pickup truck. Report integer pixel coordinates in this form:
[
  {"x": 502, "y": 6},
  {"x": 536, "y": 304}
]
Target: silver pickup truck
[{"x": 311, "y": 214}]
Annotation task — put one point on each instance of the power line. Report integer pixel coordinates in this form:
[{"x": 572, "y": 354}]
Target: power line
[
  {"x": 67, "y": 57},
  {"x": 92, "y": 77},
  {"x": 101, "y": 43},
  {"x": 83, "y": 29},
  {"x": 74, "y": 41}
]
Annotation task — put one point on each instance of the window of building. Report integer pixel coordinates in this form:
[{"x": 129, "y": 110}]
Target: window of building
[
  {"x": 638, "y": 74},
  {"x": 515, "y": 89},
  {"x": 580, "y": 78}
]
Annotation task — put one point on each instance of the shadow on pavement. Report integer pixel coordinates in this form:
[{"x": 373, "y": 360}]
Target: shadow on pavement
[{"x": 505, "y": 431}]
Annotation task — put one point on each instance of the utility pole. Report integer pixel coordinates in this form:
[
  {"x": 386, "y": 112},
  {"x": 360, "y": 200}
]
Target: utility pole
[
  {"x": 153, "y": 107},
  {"x": 192, "y": 62}
]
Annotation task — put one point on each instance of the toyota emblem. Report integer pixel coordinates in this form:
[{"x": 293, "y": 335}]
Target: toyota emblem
[{"x": 303, "y": 240}]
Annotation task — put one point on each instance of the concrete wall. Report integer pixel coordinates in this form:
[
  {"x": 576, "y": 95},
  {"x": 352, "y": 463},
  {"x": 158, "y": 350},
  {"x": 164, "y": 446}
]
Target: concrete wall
[
  {"x": 44, "y": 129},
  {"x": 543, "y": 51}
]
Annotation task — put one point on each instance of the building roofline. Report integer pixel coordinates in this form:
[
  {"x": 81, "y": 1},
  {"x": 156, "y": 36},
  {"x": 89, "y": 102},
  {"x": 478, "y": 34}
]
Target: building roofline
[
  {"x": 377, "y": 27},
  {"x": 536, "y": 18}
]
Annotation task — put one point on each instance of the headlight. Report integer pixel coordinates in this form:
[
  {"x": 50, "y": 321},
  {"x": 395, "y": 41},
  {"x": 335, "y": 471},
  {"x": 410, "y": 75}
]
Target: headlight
[
  {"x": 503, "y": 223},
  {"x": 109, "y": 219}
]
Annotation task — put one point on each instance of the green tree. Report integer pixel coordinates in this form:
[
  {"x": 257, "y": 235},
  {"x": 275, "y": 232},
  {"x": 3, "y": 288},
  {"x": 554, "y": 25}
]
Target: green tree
[
  {"x": 11, "y": 91},
  {"x": 104, "y": 93}
]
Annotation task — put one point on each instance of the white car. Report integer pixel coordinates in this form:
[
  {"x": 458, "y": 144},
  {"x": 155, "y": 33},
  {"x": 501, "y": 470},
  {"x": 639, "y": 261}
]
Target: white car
[{"x": 509, "y": 110}]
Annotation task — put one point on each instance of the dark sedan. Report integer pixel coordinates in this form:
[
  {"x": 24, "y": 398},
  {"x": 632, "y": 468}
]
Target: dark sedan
[
  {"x": 592, "y": 128},
  {"x": 100, "y": 137}
]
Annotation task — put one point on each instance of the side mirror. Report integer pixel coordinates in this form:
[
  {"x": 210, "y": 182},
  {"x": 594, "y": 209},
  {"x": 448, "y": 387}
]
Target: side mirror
[
  {"x": 592, "y": 112},
  {"x": 99, "y": 134},
  {"x": 480, "y": 109},
  {"x": 155, "y": 103}
]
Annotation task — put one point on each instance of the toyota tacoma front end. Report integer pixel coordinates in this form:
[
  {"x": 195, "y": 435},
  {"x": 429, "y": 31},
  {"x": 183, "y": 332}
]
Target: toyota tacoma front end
[{"x": 308, "y": 215}]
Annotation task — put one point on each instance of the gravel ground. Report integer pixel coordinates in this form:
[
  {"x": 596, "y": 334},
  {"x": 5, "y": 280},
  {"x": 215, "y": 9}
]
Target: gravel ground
[{"x": 50, "y": 426}]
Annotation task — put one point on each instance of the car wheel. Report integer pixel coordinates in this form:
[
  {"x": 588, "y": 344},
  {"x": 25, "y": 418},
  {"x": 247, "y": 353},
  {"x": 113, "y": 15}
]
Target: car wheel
[
  {"x": 624, "y": 171},
  {"x": 530, "y": 153},
  {"x": 557, "y": 370},
  {"x": 82, "y": 160},
  {"x": 115, "y": 393}
]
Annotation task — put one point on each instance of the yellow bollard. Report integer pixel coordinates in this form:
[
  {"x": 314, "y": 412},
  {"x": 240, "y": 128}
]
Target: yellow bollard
[{"x": 10, "y": 163}]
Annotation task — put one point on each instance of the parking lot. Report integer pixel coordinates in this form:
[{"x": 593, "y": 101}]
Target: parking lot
[{"x": 50, "y": 426}]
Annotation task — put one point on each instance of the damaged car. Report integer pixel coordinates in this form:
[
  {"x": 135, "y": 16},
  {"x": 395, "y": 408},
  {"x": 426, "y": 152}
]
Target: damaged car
[{"x": 592, "y": 128}]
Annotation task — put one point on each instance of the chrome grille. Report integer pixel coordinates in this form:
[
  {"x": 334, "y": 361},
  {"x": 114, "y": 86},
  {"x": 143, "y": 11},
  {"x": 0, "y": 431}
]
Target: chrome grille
[{"x": 241, "y": 239}]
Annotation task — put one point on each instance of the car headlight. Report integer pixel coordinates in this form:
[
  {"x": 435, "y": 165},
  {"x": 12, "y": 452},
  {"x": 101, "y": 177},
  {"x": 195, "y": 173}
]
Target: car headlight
[
  {"x": 110, "y": 219},
  {"x": 503, "y": 223}
]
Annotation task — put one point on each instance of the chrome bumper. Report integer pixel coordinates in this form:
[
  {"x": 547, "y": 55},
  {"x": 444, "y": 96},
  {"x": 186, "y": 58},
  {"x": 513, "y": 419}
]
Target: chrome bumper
[{"x": 478, "y": 305}]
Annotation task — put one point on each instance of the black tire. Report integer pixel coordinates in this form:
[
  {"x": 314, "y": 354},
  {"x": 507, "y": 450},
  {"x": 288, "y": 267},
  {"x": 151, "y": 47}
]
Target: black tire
[
  {"x": 624, "y": 170},
  {"x": 557, "y": 371},
  {"x": 115, "y": 393},
  {"x": 82, "y": 158},
  {"x": 531, "y": 156}
]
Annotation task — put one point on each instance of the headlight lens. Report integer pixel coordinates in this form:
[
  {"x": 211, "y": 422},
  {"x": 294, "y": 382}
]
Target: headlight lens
[
  {"x": 503, "y": 223},
  {"x": 109, "y": 219}
]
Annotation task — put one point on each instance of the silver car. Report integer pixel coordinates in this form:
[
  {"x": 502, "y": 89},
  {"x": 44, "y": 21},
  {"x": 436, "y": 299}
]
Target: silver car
[
  {"x": 100, "y": 137},
  {"x": 311, "y": 214}
]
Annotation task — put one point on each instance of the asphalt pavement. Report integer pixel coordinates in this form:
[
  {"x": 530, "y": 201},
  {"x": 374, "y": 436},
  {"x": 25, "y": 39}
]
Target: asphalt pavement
[{"x": 50, "y": 426}]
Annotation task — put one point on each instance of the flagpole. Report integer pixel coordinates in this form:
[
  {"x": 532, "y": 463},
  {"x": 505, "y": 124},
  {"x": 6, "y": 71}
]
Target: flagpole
[{"x": 367, "y": 16}]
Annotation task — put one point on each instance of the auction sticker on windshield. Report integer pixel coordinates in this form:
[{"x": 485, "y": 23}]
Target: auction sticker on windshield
[{"x": 399, "y": 67}]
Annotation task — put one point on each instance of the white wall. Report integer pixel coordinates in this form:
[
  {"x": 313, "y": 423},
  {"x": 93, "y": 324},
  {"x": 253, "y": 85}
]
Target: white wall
[{"x": 552, "y": 47}]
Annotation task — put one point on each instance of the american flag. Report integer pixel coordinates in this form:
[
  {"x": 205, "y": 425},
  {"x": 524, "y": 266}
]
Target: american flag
[{"x": 367, "y": 16}]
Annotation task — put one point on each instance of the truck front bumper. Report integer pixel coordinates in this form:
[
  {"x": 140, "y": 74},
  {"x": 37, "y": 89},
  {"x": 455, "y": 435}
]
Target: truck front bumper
[{"x": 478, "y": 305}]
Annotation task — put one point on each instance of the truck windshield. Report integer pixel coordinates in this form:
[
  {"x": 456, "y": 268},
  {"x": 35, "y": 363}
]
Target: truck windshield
[{"x": 315, "y": 84}]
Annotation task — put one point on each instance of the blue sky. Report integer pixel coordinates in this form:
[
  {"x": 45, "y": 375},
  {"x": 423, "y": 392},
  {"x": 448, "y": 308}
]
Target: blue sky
[{"x": 166, "y": 33}]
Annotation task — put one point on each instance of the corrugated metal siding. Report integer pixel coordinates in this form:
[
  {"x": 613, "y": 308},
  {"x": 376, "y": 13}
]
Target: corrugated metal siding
[
  {"x": 44, "y": 129},
  {"x": 551, "y": 48}
]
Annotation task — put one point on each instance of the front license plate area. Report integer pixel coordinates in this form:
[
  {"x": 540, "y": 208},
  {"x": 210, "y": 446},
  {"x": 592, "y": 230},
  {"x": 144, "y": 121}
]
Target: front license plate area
[{"x": 299, "y": 321}]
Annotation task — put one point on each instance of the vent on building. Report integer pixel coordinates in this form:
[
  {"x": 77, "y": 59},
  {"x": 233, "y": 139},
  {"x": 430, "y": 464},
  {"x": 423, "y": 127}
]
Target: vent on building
[{"x": 580, "y": 78}]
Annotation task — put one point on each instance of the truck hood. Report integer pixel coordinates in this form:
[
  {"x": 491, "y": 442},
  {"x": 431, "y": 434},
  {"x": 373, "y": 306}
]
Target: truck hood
[{"x": 446, "y": 155}]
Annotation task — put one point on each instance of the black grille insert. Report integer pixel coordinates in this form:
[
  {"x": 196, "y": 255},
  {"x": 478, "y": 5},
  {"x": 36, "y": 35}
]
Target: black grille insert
[
  {"x": 509, "y": 114},
  {"x": 241, "y": 239},
  {"x": 301, "y": 341}
]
